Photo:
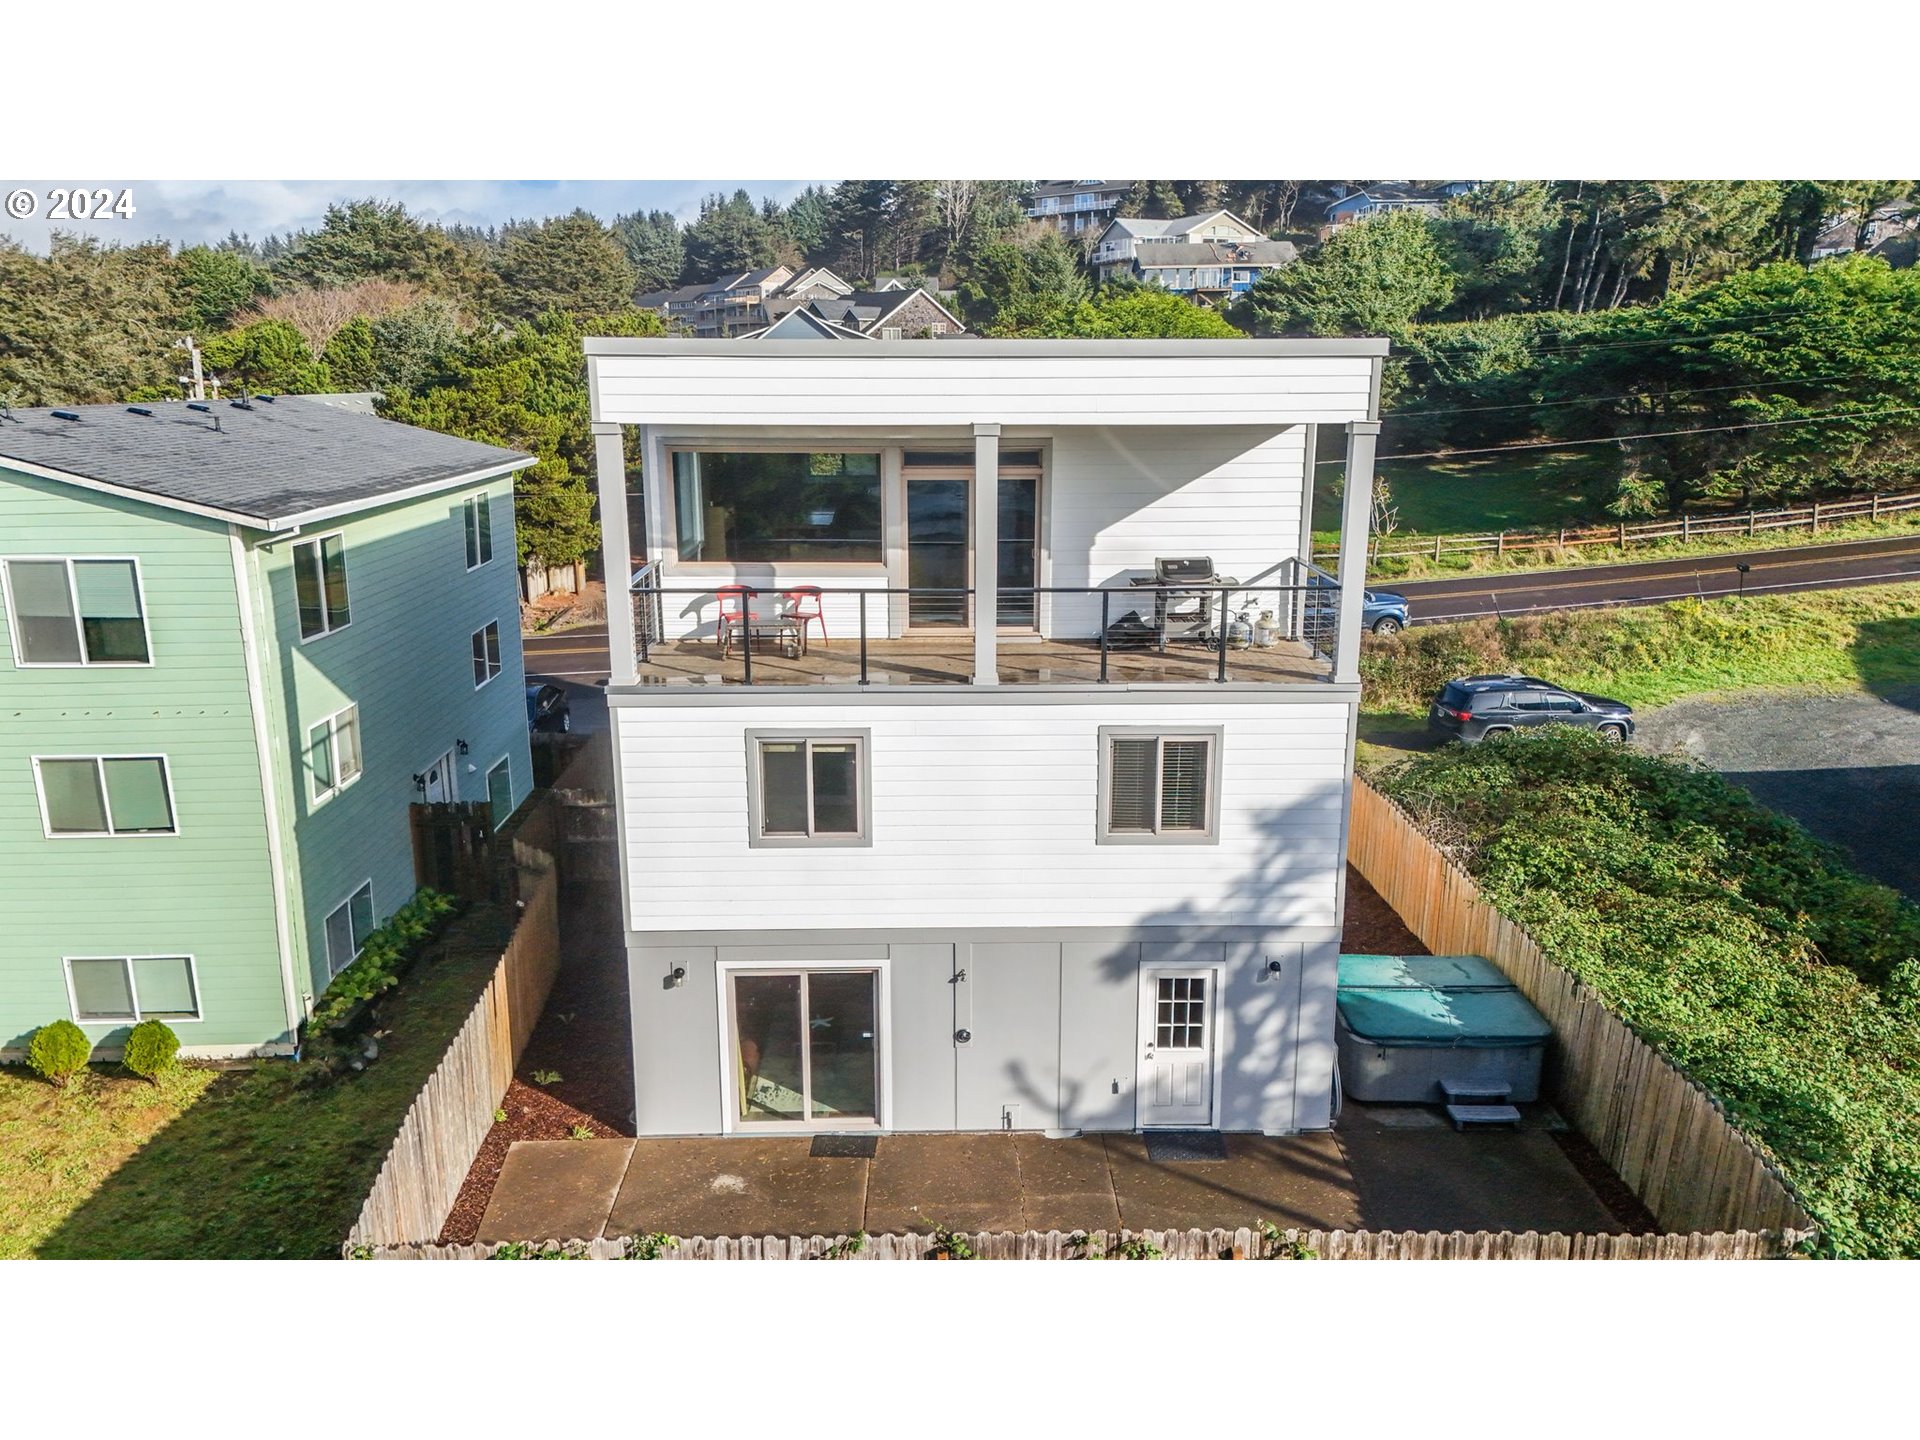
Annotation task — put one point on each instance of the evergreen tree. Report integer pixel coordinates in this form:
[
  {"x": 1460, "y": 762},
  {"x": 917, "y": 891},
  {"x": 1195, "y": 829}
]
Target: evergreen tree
[
  {"x": 88, "y": 322},
  {"x": 572, "y": 264},
  {"x": 219, "y": 284},
  {"x": 1374, "y": 277},
  {"x": 731, "y": 235}
]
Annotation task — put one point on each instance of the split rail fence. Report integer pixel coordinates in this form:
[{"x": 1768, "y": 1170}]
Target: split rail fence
[
  {"x": 1242, "y": 1244},
  {"x": 449, "y": 1119},
  {"x": 1661, "y": 1132},
  {"x": 1623, "y": 534}
]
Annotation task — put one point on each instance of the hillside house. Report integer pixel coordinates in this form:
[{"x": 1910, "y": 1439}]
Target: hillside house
[{"x": 936, "y": 810}]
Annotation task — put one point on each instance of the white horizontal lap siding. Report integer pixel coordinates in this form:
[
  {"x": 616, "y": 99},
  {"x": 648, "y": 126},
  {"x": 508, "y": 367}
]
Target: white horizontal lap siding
[
  {"x": 1120, "y": 499},
  {"x": 911, "y": 390},
  {"x": 983, "y": 815}
]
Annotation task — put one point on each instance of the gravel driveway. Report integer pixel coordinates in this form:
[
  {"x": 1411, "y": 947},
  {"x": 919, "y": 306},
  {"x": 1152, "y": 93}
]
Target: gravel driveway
[{"x": 1845, "y": 766}]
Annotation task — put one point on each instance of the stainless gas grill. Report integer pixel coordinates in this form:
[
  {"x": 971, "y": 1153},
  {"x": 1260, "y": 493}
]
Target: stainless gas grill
[{"x": 1181, "y": 612}]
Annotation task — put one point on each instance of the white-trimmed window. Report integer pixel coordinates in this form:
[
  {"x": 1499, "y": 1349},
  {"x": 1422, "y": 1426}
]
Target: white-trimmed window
[
  {"x": 1159, "y": 785},
  {"x": 333, "y": 753},
  {"x": 76, "y": 612},
  {"x": 486, "y": 653},
  {"x": 110, "y": 989},
  {"x": 479, "y": 523},
  {"x": 348, "y": 926},
  {"x": 104, "y": 795},
  {"x": 891, "y": 332},
  {"x": 806, "y": 789},
  {"x": 500, "y": 790},
  {"x": 320, "y": 585}
]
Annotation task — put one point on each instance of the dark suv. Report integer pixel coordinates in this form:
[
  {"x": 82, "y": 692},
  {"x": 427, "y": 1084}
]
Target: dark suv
[{"x": 1470, "y": 710}]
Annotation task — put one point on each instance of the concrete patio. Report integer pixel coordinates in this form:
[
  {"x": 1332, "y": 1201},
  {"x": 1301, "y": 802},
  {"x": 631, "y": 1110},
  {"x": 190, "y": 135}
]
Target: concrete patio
[{"x": 1383, "y": 1168}]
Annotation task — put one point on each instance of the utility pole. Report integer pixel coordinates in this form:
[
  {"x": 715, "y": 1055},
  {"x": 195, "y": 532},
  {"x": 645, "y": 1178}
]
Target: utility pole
[{"x": 196, "y": 382}]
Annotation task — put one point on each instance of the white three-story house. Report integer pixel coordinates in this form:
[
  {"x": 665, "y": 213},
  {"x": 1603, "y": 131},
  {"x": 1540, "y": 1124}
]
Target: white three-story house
[{"x": 941, "y": 804}]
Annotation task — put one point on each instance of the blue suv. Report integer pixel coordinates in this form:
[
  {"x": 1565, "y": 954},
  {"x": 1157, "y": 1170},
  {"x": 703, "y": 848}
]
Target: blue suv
[
  {"x": 1381, "y": 611},
  {"x": 1471, "y": 709}
]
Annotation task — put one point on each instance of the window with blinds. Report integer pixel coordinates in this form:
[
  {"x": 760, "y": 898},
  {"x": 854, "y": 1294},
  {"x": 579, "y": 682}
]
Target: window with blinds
[{"x": 1157, "y": 786}]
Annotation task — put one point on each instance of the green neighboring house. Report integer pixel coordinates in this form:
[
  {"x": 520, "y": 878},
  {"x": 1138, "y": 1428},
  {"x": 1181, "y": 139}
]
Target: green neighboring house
[{"x": 240, "y": 639}]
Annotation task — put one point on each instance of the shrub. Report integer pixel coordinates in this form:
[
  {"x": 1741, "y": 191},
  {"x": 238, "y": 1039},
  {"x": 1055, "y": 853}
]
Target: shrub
[
  {"x": 387, "y": 952},
  {"x": 59, "y": 1051},
  {"x": 151, "y": 1046},
  {"x": 1724, "y": 934}
]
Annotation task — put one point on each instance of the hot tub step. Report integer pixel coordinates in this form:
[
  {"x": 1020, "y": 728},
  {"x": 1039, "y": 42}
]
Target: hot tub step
[
  {"x": 1462, "y": 1092},
  {"x": 1465, "y": 1115}
]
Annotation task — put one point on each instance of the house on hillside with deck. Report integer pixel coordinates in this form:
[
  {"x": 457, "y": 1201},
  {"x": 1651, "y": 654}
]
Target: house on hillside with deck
[
  {"x": 983, "y": 732},
  {"x": 240, "y": 639}
]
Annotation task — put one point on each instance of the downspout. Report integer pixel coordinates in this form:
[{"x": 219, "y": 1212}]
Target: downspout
[{"x": 263, "y": 748}]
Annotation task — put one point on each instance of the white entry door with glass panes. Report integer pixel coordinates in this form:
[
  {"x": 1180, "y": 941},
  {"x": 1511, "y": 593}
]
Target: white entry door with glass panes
[
  {"x": 439, "y": 780},
  {"x": 1177, "y": 1028},
  {"x": 803, "y": 1048}
]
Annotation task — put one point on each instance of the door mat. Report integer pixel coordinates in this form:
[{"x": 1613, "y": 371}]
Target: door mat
[
  {"x": 844, "y": 1147},
  {"x": 1174, "y": 1146}
]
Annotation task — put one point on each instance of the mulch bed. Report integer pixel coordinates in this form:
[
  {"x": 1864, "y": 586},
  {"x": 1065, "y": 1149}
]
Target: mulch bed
[
  {"x": 1372, "y": 927},
  {"x": 584, "y": 1037}
]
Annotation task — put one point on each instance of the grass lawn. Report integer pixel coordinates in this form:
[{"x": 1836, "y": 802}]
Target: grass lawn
[
  {"x": 1476, "y": 494},
  {"x": 1651, "y": 655},
  {"x": 227, "y": 1164}
]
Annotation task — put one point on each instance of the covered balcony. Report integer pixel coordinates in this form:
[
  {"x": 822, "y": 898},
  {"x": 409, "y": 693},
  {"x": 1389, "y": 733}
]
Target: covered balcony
[{"x": 1140, "y": 512}]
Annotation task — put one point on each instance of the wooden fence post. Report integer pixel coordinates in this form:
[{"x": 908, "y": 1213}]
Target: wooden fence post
[
  {"x": 1816, "y": 517},
  {"x": 1623, "y": 534},
  {"x": 1686, "y": 526},
  {"x": 1876, "y": 505},
  {"x": 1500, "y": 543},
  {"x": 1750, "y": 520},
  {"x": 1436, "y": 549}
]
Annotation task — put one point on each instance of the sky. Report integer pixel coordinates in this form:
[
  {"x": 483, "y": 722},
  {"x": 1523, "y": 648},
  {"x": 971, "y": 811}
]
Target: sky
[{"x": 188, "y": 212}]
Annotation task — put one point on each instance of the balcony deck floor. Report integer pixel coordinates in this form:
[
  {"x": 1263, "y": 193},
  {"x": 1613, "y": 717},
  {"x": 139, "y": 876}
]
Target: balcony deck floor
[{"x": 949, "y": 661}]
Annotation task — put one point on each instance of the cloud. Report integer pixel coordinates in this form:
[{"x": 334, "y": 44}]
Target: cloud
[{"x": 189, "y": 212}]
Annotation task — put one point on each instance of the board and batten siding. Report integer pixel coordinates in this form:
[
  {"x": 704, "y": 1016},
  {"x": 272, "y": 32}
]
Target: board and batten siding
[
  {"x": 205, "y": 892},
  {"x": 406, "y": 662},
  {"x": 766, "y": 383},
  {"x": 983, "y": 815}
]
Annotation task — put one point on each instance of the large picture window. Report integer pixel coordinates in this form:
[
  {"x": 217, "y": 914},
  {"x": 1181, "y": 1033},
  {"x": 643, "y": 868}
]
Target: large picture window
[
  {"x": 105, "y": 990},
  {"x": 105, "y": 795},
  {"x": 763, "y": 506}
]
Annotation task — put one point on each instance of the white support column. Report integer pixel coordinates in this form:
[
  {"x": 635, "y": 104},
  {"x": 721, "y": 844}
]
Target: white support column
[
  {"x": 986, "y": 554},
  {"x": 1355, "y": 507},
  {"x": 616, "y": 562}
]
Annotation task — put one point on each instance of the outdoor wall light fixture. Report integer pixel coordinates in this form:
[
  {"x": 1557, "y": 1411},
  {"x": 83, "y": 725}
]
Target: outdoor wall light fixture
[
  {"x": 1274, "y": 967},
  {"x": 460, "y": 746},
  {"x": 674, "y": 978},
  {"x": 420, "y": 783}
]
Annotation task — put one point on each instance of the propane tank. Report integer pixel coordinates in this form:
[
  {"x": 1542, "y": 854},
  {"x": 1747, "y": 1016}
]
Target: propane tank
[{"x": 1265, "y": 633}]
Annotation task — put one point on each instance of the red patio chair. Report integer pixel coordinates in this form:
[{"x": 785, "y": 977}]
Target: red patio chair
[
  {"x": 799, "y": 599},
  {"x": 735, "y": 614}
]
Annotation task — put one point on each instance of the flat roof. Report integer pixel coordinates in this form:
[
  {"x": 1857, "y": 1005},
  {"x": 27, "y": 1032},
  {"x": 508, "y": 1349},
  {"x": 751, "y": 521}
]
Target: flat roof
[
  {"x": 1366, "y": 347},
  {"x": 267, "y": 464}
]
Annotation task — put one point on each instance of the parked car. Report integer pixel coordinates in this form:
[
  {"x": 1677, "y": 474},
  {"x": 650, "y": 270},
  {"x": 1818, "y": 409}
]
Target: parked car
[
  {"x": 549, "y": 708},
  {"x": 1471, "y": 709},
  {"x": 1381, "y": 611}
]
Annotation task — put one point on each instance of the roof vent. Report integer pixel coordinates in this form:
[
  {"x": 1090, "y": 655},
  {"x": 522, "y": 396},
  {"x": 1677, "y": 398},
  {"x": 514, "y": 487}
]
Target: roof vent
[
  {"x": 241, "y": 404},
  {"x": 201, "y": 406},
  {"x": 65, "y": 415},
  {"x": 139, "y": 410},
  {"x": 267, "y": 398}
]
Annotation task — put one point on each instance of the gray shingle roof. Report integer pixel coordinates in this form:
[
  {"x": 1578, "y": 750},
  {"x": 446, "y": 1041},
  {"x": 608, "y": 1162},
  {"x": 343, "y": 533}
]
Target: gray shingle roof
[
  {"x": 1217, "y": 252},
  {"x": 264, "y": 466}
]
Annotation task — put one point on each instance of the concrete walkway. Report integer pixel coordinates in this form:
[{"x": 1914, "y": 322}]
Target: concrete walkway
[{"x": 1385, "y": 1168}]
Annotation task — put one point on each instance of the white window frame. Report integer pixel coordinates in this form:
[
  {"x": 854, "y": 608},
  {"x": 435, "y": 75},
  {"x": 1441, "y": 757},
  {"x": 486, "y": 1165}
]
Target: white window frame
[
  {"x": 862, "y": 834},
  {"x": 317, "y": 797},
  {"x": 1209, "y": 834},
  {"x": 73, "y": 598},
  {"x": 499, "y": 664},
  {"x": 478, "y": 541},
  {"x": 319, "y": 559},
  {"x": 859, "y": 958},
  {"x": 133, "y": 990},
  {"x": 46, "y": 817},
  {"x": 347, "y": 904},
  {"x": 504, "y": 762}
]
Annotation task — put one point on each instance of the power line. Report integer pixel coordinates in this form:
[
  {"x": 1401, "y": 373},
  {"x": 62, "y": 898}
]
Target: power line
[
  {"x": 1602, "y": 399},
  {"x": 1645, "y": 435}
]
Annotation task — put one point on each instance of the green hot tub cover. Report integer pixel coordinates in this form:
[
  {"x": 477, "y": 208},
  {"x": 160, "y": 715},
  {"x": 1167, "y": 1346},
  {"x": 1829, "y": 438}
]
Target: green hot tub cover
[{"x": 1435, "y": 1000}]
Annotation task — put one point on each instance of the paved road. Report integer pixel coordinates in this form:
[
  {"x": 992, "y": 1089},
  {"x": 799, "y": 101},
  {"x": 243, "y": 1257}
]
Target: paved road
[
  {"x": 576, "y": 659},
  {"x": 1810, "y": 567},
  {"x": 1845, "y": 766}
]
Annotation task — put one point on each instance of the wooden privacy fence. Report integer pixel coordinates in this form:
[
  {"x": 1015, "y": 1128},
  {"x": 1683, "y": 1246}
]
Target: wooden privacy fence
[
  {"x": 1661, "y": 1132},
  {"x": 1623, "y": 534},
  {"x": 1242, "y": 1244},
  {"x": 449, "y": 1119}
]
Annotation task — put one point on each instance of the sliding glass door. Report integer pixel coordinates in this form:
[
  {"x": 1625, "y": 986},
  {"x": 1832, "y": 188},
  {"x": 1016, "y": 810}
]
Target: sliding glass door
[
  {"x": 939, "y": 538},
  {"x": 805, "y": 1047}
]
